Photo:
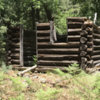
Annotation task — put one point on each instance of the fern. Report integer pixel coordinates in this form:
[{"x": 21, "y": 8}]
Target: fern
[
  {"x": 48, "y": 94},
  {"x": 6, "y": 68}
]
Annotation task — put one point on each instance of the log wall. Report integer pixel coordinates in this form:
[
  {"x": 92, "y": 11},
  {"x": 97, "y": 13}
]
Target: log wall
[
  {"x": 78, "y": 48},
  {"x": 21, "y": 47}
]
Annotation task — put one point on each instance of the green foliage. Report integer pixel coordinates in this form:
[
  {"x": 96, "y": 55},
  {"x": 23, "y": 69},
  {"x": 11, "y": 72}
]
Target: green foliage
[
  {"x": 6, "y": 68},
  {"x": 85, "y": 86},
  {"x": 17, "y": 84},
  {"x": 20, "y": 97},
  {"x": 48, "y": 94},
  {"x": 35, "y": 59}
]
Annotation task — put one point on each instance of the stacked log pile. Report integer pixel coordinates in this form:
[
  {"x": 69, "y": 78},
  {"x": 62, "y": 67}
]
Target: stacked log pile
[{"x": 21, "y": 47}]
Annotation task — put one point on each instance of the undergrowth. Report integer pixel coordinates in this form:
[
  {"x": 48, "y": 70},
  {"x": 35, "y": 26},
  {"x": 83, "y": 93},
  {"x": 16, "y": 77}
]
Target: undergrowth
[
  {"x": 79, "y": 86},
  {"x": 83, "y": 85}
]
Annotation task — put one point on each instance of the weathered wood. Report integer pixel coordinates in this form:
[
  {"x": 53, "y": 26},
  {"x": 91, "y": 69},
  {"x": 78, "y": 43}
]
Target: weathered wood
[
  {"x": 83, "y": 39},
  {"x": 43, "y": 38},
  {"x": 96, "y": 62},
  {"x": 96, "y": 52},
  {"x": 83, "y": 60},
  {"x": 83, "y": 47},
  {"x": 43, "y": 33},
  {"x": 96, "y": 40},
  {"x": 74, "y": 30},
  {"x": 21, "y": 45},
  {"x": 43, "y": 24},
  {"x": 14, "y": 61},
  {"x": 56, "y": 63},
  {"x": 58, "y": 57},
  {"x": 28, "y": 69},
  {"x": 88, "y": 29},
  {"x": 83, "y": 53},
  {"x": 95, "y": 35},
  {"x": 96, "y": 57},
  {"x": 59, "y": 50},
  {"x": 96, "y": 47},
  {"x": 74, "y": 24},
  {"x": 84, "y": 32},
  {"x": 60, "y": 45},
  {"x": 73, "y": 37}
]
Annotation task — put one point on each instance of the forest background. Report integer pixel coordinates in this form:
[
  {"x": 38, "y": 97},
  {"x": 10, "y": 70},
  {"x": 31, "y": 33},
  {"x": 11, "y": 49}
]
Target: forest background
[{"x": 28, "y": 12}]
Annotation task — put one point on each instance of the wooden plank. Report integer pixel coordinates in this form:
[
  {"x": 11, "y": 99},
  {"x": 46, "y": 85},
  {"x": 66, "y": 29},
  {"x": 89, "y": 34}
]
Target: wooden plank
[{"x": 21, "y": 45}]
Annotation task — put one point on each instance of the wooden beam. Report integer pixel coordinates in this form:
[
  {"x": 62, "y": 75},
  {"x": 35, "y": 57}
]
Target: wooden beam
[{"x": 21, "y": 45}]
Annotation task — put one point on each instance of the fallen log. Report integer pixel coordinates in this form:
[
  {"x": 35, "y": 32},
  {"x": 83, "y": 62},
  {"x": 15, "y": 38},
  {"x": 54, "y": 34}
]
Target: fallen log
[{"x": 28, "y": 69}]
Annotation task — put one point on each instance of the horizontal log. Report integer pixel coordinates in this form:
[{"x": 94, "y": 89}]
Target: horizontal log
[
  {"x": 96, "y": 52},
  {"x": 96, "y": 40},
  {"x": 57, "y": 57},
  {"x": 43, "y": 38},
  {"x": 43, "y": 24},
  {"x": 15, "y": 57},
  {"x": 15, "y": 66},
  {"x": 96, "y": 47},
  {"x": 80, "y": 19},
  {"x": 74, "y": 24},
  {"x": 73, "y": 37},
  {"x": 43, "y": 33},
  {"x": 74, "y": 30},
  {"x": 56, "y": 63},
  {"x": 14, "y": 61},
  {"x": 15, "y": 50},
  {"x": 96, "y": 62},
  {"x": 95, "y": 57},
  {"x": 59, "y": 50},
  {"x": 95, "y": 35},
  {"x": 59, "y": 45}
]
